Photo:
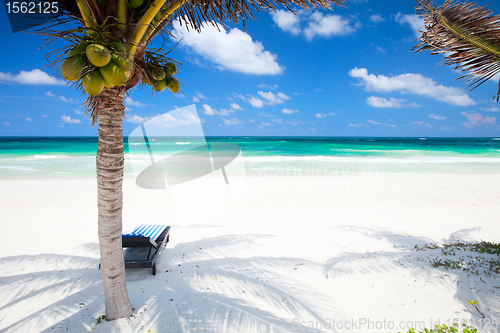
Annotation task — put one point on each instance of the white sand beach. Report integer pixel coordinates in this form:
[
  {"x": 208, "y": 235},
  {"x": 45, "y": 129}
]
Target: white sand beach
[{"x": 300, "y": 254}]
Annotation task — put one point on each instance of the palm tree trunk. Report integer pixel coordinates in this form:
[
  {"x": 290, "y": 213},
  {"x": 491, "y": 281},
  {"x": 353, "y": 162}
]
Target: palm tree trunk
[{"x": 109, "y": 162}]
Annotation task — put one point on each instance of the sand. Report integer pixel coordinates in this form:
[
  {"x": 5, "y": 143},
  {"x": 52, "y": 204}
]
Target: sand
[{"x": 300, "y": 254}]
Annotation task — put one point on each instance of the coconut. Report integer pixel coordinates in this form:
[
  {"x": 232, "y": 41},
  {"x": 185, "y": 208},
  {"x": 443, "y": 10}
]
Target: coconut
[
  {"x": 161, "y": 85},
  {"x": 113, "y": 74},
  {"x": 173, "y": 85},
  {"x": 170, "y": 68},
  {"x": 98, "y": 55},
  {"x": 93, "y": 83},
  {"x": 71, "y": 68}
]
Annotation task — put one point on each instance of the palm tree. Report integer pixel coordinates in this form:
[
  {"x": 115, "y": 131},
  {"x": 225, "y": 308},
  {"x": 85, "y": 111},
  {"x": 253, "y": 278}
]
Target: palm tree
[
  {"x": 469, "y": 35},
  {"x": 126, "y": 28}
]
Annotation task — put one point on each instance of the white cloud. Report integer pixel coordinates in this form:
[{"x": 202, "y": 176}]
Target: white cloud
[
  {"x": 414, "y": 21},
  {"x": 266, "y": 124},
  {"x": 263, "y": 85},
  {"x": 375, "y": 18},
  {"x": 208, "y": 110},
  {"x": 135, "y": 119},
  {"x": 272, "y": 99},
  {"x": 6, "y": 123},
  {"x": 45, "y": 115},
  {"x": 129, "y": 101},
  {"x": 212, "y": 112},
  {"x": 492, "y": 109},
  {"x": 266, "y": 98},
  {"x": 476, "y": 119},
  {"x": 421, "y": 123},
  {"x": 327, "y": 26},
  {"x": 356, "y": 125},
  {"x": 288, "y": 111},
  {"x": 234, "y": 50},
  {"x": 262, "y": 114},
  {"x": 287, "y": 21},
  {"x": 379, "y": 102},
  {"x": 255, "y": 102},
  {"x": 196, "y": 99},
  {"x": 29, "y": 119},
  {"x": 434, "y": 116},
  {"x": 323, "y": 115},
  {"x": 317, "y": 24},
  {"x": 35, "y": 77},
  {"x": 295, "y": 123},
  {"x": 68, "y": 120},
  {"x": 233, "y": 121},
  {"x": 383, "y": 124},
  {"x": 48, "y": 93},
  {"x": 67, "y": 100},
  {"x": 416, "y": 84},
  {"x": 236, "y": 106},
  {"x": 77, "y": 111}
]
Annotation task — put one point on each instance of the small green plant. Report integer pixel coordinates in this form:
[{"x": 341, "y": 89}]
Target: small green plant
[
  {"x": 447, "y": 329},
  {"x": 100, "y": 319},
  {"x": 484, "y": 262}
]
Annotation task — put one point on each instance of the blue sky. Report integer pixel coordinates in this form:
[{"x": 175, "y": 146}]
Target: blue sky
[{"x": 346, "y": 72}]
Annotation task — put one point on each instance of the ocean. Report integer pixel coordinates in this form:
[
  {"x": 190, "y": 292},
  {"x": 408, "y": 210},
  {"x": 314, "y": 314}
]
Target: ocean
[{"x": 74, "y": 157}]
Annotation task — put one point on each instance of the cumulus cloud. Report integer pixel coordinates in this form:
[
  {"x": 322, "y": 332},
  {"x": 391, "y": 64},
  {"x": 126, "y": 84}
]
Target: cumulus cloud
[
  {"x": 375, "y": 18},
  {"x": 323, "y": 115},
  {"x": 272, "y": 98},
  {"x": 434, "y": 116},
  {"x": 35, "y": 77},
  {"x": 316, "y": 24},
  {"x": 68, "y": 120},
  {"x": 129, "y": 101},
  {"x": 476, "y": 119},
  {"x": 262, "y": 114},
  {"x": 236, "y": 106},
  {"x": 287, "y": 21},
  {"x": 288, "y": 111},
  {"x": 416, "y": 84},
  {"x": 234, "y": 50},
  {"x": 414, "y": 21},
  {"x": 208, "y": 110},
  {"x": 421, "y": 123}
]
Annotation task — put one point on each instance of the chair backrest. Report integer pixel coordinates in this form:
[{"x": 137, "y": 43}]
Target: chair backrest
[{"x": 152, "y": 231}]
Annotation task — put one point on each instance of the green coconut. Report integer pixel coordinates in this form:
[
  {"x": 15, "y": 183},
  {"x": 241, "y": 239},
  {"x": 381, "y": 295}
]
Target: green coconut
[
  {"x": 98, "y": 55},
  {"x": 136, "y": 3},
  {"x": 93, "y": 83},
  {"x": 173, "y": 85},
  {"x": 161, "y": 85},
  {"x": 113, "y": 74},
  {"x": 157, "y": 72},
  {"x": 170, "y": 69},
  {"x": 71, "y": 68}
]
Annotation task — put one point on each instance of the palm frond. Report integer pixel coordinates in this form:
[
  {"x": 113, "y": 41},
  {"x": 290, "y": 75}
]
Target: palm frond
[
  {"x": 195, "y": 13},
  {"x": 469, "y": 34}
]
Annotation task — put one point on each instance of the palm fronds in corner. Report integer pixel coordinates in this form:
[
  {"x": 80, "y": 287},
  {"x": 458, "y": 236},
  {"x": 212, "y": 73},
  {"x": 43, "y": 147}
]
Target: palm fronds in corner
[{"x": 468, "y": 34}]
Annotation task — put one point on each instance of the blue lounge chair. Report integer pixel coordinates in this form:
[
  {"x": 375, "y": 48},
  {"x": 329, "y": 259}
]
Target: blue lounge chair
[{"x": 143, "y": 244}]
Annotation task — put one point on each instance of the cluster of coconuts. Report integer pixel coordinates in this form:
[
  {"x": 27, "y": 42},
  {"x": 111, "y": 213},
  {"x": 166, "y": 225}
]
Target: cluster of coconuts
[
  {"x": 97, "y": 66},
  {"x": 163, "y": 76}
]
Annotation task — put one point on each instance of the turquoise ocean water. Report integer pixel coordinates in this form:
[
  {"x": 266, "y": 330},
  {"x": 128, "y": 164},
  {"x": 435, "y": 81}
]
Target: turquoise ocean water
[{"x": 74, "y": 157}]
